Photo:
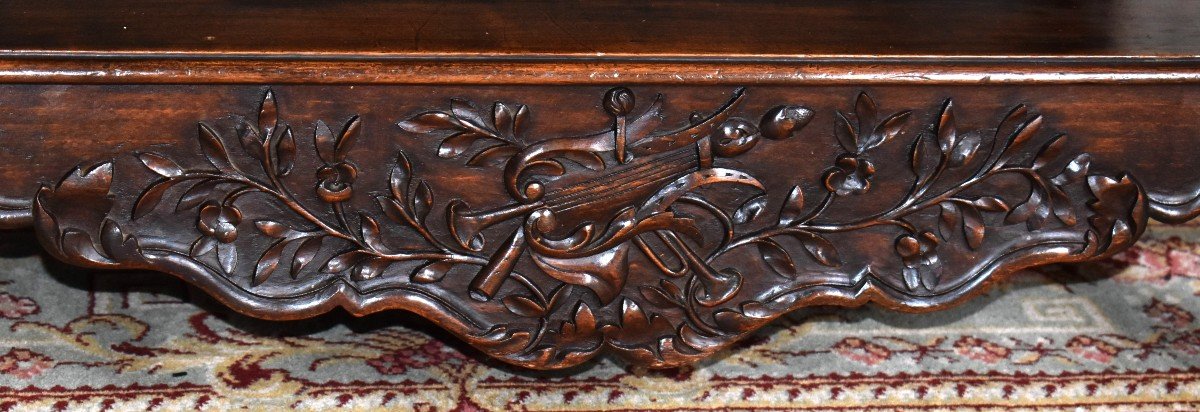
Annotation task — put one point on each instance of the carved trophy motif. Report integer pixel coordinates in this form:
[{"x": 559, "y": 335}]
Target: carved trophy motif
[{"x": 658, "y": 243}]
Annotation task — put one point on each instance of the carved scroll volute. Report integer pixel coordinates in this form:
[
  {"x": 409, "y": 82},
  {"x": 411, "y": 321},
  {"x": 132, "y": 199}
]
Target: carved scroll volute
[{"x": 661, "y": 244}]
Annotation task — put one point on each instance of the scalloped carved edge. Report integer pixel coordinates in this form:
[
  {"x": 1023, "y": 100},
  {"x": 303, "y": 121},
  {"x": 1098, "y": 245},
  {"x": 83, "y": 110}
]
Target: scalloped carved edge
[{"x": 579, "y": 304}]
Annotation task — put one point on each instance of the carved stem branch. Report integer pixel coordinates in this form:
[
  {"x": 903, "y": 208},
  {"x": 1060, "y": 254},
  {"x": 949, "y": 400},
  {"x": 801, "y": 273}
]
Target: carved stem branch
[
  {"x": 890, "y": 217},
  {"x": 290, "y": 203}
]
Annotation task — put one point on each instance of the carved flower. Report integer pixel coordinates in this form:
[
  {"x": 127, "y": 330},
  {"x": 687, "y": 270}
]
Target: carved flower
[
  {"x": 24, "y": 364},
  {"x": 981, "y": 350},
  {"x": 851, "y": 174},
  {"x": 917, "y": 251},
  {"x": 334, "y": 181},
  {"x": 1092, "y": 349},
  {"x": 861, "y": 351},
  {"x": 219, "y": 221}
]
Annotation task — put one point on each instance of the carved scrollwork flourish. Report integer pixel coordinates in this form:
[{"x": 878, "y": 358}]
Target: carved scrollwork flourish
[{"x": 662, "y": 244}]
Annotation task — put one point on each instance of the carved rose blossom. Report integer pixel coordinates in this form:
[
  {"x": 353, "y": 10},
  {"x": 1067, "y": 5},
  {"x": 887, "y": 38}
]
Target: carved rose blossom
[
  {"x": 981, "y": 350},
  {"x": 220, "y": 222},
  {"x": 334, "y": 182},
  {"x": 851, "y": 175},
  {"x": 24, "y": 364},
  {"x": 15, "y": 307}
]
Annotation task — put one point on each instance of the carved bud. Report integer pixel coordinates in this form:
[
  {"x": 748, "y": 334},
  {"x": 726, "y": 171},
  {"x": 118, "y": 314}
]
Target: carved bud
[
  {"x": 619, "y": 101},
  {"x": 782, "y": 121},
  {"x": 734, "y": 137},
  {"x": 335, "y": 182}
]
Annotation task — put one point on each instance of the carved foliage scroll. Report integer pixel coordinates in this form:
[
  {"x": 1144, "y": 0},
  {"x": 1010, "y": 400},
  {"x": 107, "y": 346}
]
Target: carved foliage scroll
[{"x": 662, "y": 244}]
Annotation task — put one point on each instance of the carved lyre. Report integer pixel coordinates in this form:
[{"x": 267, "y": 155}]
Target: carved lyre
[{"x": 579, "y": 225}]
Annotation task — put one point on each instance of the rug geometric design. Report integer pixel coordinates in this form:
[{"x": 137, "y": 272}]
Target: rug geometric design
[{"x": 1119, "y": 335}]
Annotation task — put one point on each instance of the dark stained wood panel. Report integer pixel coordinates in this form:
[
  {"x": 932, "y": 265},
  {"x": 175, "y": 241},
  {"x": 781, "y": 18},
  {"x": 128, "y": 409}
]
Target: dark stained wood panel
[
  {"x": 555, "y": 180},
  {"x": 720, "y": 29}
]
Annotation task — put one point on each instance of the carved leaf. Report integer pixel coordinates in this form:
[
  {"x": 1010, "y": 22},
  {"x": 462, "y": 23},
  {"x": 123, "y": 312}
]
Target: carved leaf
[
  {"x": 343, "y": 261},
  {"x": 523, "y": 306},
  {"x": 846, "y": 135},
  {"x": 931, "y": 278},
  {"x": 991, "y": 204},
  {"x": 392, "y": 209},
  {"x": 457, "y": 144},
  {"x": 323, "y": 140},
  {"x": 819, "y": 248},
  {"x": 213, "y": 148},
  {"x": 950, "y": 221},
  {"x": 346, "y": 140},
  {"x": 1033, "y": 211},
  {"x": 470, "y": 116},
  {"x": 285, "y": 152},
  {"x": 400, "y": 177},
  {"x": 268, "y": 114},
  {"x": 1050, "y": 151},
  {"x": 370, "y": 268},
  {"x": 1062, "y": 205},
  {"x": 304, "y": 254},
  {"x": 493, "y": 155},
  {"x": 947, "y": 132},
  {"x": 776, "y": 257},
  {"x": 887, "y": 130},
  {"x": 272, "y": 228},
  {"x": 267, "y": 263},
  {"x": 251, "y": 141},
  {"x": 227, "y": 257},
  {"x": 150, "y": 198},
  {"x": 370, "y": 233},
  {"x": 917, "y": 159},
  {"x": 973, "y": 227},
  {"x": 432, "y": 271},
  {"x": 509, "y": 119},
  {"x": 966, "y": 149},
  {"x": 163, "y": 166},
  {"x": 428, "y": 122},
  {"x": 1026, "y": 131},
  {"x": 866, "y": 109},
  {"x": 202, "y": 246},
  {"x": 750, "y": 210},
  {"x": 584, "y": 321},
  {"x": 422, "y": 201},
  {"x": 793, "y": 205},
  {"x": 197, "y": 194},
  {"x": 912, "y": 278},
  {"x": 1074, "y": 171}
]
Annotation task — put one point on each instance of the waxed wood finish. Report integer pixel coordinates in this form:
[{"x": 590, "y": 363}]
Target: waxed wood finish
[
  {"x": 688, "y": 28},
  {"x": 653, "y": 180}
]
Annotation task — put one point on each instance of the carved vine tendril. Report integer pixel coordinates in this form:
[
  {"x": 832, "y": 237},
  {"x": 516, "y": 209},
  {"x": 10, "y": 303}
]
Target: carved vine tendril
[
  {"x": 604, "y": 240},
  {"x": 215, "y": 192}
]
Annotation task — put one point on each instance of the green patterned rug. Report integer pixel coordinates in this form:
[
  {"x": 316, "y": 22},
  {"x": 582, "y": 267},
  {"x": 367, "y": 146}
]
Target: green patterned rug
[{"x": 1114, "y": 335}]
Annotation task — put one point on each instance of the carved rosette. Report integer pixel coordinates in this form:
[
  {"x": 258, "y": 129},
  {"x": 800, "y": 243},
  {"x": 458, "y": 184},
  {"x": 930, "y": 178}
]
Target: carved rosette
[{"x": 661, "y": 244}]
